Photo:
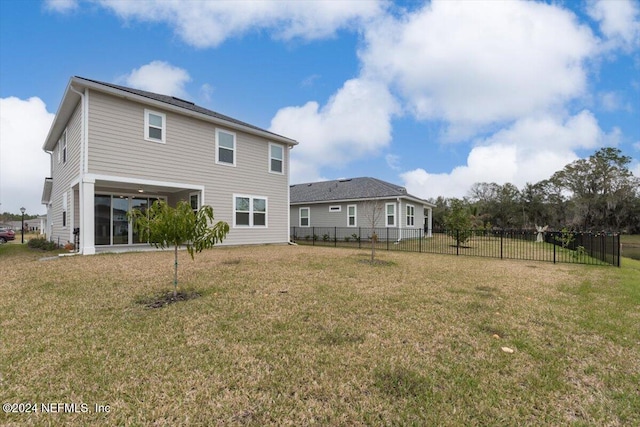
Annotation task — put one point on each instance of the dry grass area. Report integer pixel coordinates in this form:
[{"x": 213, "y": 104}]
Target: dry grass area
[{"x": 302, "y": 335}]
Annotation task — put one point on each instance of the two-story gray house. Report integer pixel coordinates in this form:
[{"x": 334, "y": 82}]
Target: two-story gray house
[
  {"x": 359, "y": 203},
  {"x": 115, "y": 148}
]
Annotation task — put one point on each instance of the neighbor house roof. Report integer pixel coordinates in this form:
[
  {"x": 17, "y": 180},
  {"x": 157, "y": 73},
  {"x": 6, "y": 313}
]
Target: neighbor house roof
[
  {"x": 78, "y": 84},
  {"x": 348, "y": 189}
]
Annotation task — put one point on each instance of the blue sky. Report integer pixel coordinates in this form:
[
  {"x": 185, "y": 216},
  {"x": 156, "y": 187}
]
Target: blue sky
[{"x": 431, "y": 95}]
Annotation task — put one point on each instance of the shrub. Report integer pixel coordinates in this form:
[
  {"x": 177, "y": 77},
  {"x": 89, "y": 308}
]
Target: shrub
[{"x": 42, "y": 243}]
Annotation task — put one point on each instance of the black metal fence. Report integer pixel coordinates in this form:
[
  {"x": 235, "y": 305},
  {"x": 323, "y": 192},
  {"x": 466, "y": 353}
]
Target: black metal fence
[{"x": 550, "y": 246}]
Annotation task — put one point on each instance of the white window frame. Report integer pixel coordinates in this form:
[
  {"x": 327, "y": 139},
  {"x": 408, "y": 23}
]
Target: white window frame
[
  {"x": 411, "y": 216},
  {"x": 251, "y": 212},
  {"x": 234, "y": 149},
  {"x": 335, "y": 208},
  {"x": 308, "y": 209},
  {"x": 355, "y": 215},
  {"x": 387, "y": 215},
  {"x": 147, "y": 125},
  {"x": 271, "y": 145}
]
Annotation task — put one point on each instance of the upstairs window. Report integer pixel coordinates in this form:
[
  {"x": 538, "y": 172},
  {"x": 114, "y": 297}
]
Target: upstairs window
[
  {"x": 62, "y": 148},
  {"x": 225, "y": 147},
  {"x": 63, "y": 141},
  {"x": 276, "y": 158},
  {"x": 154, "y": 126},
  {"x": 250, "y": 211}
]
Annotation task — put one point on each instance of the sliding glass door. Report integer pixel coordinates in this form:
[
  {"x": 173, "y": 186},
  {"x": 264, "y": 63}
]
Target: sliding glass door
[{"x": 112, "y": 226}]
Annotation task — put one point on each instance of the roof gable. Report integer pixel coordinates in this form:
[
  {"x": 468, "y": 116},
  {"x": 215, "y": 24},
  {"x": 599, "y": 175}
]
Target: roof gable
[{"x": 181, "y": 106}]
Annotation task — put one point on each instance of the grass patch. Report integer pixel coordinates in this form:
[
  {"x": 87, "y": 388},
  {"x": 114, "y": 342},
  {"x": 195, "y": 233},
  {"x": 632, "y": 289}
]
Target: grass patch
[{"x": 300, "y": 335}]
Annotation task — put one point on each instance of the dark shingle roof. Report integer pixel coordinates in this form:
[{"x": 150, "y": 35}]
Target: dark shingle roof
[
  {"x": 172, "y": 100},
  {"x": 346, "y": 189}
]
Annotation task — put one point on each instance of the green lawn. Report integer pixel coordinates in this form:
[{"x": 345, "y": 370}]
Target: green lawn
[
  {"x": 630, "y": 245},
  {"x": 298, "y": 335}
]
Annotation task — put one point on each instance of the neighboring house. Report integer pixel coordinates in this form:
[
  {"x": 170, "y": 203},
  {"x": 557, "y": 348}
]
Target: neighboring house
[
  {"x": 115, "y": 148},
  {"x": 355, "y": 203}
]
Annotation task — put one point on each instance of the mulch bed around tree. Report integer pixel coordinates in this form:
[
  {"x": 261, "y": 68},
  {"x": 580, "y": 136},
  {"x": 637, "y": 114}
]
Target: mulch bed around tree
[{"x": 161, "y": 300}]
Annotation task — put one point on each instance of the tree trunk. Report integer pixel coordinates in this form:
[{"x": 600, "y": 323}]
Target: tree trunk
[{"x": 175, "y": 273}]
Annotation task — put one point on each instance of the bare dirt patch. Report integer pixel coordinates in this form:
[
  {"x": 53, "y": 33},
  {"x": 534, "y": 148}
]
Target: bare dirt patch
[{"x": 164, "y": 299}]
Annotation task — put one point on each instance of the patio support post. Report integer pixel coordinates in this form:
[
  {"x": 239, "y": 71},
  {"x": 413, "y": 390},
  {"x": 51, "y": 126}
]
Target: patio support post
[{"x": 87, "y": 216}]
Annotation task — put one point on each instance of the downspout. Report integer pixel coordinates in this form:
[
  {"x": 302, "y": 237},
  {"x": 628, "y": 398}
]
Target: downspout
[
  {"x": 289, "y": 241},
  {"x": 48, "y": 230},
  {"x": 83, "y": 165},
  {"x": 399, "y": 219}
]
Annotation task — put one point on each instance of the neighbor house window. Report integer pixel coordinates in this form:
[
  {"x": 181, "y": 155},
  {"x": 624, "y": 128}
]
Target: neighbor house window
[
  {"x": 351, "y": 215},
  {"x": 276, "y": 158},
  {"x": 390, "y": 209},
  {"x": 410, "y": 215},
  {"x": 335, "y": 208},
  {"x": 154, "y": 126},
  {"x": 250, "y": 211},
  {"x": 304, "y": 217},
  {"x": 225, "y": 147}
]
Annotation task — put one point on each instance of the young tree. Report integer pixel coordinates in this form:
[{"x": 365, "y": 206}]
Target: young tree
[
  {"x": 458, "y": 221},
  {"x": 164, "y": 227},
  {"x": 373, "y": 212}
]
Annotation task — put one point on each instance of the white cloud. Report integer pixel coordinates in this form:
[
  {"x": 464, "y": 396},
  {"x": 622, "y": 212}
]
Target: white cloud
[
  {"x": 619, "y": 21},
  {"x": 393, "y": 161},
  {"x": 476, "y": 63},
  {"x": 61, "y": 6},
  {"x": 209, "y": 23},
  {"x": 24, "y": 125},
  {"x": 160, "y": 77},
  {"x": 636, "y": 145},
  {"x": 206, "y": 92},
  {"x": 355, "y": 123},
  {"x": 529, "y": 151},
  {"x": 610, "y": 101}
]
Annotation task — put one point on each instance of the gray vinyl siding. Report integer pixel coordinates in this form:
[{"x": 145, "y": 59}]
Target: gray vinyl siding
[
  {"x": 321, "y": 216},
  {"x": 64, "y": 176},
  {"x": 117, "y": 147}
]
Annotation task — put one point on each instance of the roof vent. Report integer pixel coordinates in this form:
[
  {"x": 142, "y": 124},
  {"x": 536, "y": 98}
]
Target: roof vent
[{"x": 344, "y": 180}]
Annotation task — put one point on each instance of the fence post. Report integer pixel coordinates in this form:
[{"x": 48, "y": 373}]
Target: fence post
[
  {"x": 359, "y": 237},
  {"x": 313, "y": 236},
  {"x": 501, "y": 237},
  {"x": 553, "y": 242},
  {"x": 457, "y": 241},
  {"x": 387, "y": 238},
  {"x": 616, "y": 246},
  {"x": 335, "y": 237},
  {"x": 420, "y": 236}
]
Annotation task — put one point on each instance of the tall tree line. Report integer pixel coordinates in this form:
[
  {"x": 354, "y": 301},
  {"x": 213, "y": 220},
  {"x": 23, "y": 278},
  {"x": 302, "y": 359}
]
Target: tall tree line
[{"x": 598, "y": 193}]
